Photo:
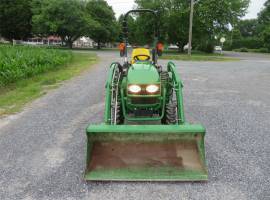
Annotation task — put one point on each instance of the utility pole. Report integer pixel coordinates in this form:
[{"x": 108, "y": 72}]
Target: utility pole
[{"x": 190, "y": 27}]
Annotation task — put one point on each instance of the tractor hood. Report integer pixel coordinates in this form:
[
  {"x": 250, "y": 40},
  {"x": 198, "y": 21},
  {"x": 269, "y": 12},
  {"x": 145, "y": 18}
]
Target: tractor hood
[{"x": 143, "y": 73}]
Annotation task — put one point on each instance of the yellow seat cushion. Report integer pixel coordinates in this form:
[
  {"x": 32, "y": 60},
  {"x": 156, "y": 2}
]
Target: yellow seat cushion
[{"x": 140, "y": 51}]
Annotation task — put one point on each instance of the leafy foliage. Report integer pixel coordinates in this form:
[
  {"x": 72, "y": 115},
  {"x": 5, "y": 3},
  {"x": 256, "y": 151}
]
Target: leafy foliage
[
  {"x": 247, "y": 42},
  {"x": 252, "y": 34},
  {"x": 65, "y": 18},
  {"x": 264, "y": 24},
  {"x": 133, "y": 36},
  {"x": 266, "y": 37},
  {"x": 15, "y": 18},
  {"x": 248, "y": 27},
  {"x": 264, "y": 16},
  {"x": 105, "y": 29},
  {"x": 210, "y": 19},
  {"x": 178, "y": 24}
]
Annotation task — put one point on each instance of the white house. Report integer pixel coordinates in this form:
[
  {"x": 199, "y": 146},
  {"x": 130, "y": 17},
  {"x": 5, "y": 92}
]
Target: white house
[{"x": 84, "y": 42}]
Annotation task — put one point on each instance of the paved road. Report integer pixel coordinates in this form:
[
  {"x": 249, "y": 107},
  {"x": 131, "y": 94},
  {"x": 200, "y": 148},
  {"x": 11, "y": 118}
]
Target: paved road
[{"x": 42, "y": 150}]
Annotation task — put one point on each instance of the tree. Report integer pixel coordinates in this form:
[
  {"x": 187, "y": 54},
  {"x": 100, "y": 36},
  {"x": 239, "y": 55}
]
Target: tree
[
  {"x": 64, "y": 18},
  {"x": 264, "y": 24},
  {"x": 173, "y": 20},
  {"x": 248, "y": 27},
  {"x": 246, "y": 35},
  {"x": 133, "y": 37},
  {"x": 105, "y": 29},
  {"x": 264, "y": 18},
  {"x": 178, "y": 24},
  {"x": 266, "y": 38},
  {"x": 264, "y": 15},
  {"x": 15, "y": 18},
  {"x": 146, "y": 22},
  {"x": 210, "y": 18},
  {"x": 236, "y": 34}
]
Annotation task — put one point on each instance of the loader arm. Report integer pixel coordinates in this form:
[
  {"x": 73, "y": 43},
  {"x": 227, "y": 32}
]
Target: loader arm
[
  {"x": 108, "y": 87},
  {"x": 178, "y": 85}
]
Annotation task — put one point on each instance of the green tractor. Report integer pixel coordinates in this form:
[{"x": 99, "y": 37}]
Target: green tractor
[{"x": 144, "y": 136}]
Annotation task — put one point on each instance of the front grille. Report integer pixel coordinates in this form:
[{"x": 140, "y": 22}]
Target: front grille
[{"x": 139, "y": 100}]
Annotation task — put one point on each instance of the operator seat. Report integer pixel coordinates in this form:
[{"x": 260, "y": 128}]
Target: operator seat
[{"x": 140, "y": 54}]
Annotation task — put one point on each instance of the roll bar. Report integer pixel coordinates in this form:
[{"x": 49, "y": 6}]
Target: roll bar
[{"x": 125, "y": 25}]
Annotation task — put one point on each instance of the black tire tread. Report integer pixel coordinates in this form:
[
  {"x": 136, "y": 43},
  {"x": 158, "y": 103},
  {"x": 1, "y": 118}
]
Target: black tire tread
[
  {"x": 119, "y": 114},
  {"x": 170, "y": 115}
]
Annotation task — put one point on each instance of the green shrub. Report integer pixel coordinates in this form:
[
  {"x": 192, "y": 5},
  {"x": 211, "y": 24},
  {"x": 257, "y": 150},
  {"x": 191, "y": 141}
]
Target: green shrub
[
  {"x": 249, "y": 43},
  {"x": 260, "y": 50},
  {"x": 241, "y": 50},
  {"x": 22, "y": 62},
  {"x": 207, "y": 47}
]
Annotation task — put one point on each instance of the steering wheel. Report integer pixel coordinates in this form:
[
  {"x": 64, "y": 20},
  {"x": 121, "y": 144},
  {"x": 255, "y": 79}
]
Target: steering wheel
[{"x": 137, "y": 57}]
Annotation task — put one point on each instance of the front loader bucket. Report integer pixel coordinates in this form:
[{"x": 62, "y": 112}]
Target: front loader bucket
[{"x": 146, "y": 153}]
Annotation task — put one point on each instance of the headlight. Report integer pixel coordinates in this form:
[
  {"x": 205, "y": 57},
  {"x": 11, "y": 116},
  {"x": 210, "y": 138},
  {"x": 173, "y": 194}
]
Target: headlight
[
  {"x": 152, "y": 88},
  {"x": 134, "y": 88}
]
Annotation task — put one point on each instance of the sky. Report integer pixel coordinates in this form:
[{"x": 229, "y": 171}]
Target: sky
[{"x": 122, "y": 6}]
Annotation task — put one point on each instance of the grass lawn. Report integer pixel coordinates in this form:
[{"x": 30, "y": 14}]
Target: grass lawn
[
  {"x": 197, "y": 57},
  {"x": 14, "y": 96}
]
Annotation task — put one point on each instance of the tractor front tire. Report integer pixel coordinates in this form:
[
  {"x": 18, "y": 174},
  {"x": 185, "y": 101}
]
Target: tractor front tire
[
  {"x": 119, "y": 115},
  {"x": 170, "y": 117}
]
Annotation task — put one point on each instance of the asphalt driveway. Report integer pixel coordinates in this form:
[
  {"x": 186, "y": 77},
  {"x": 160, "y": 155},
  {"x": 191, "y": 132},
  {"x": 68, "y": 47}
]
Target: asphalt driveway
[{"x": 42, "y": 149}]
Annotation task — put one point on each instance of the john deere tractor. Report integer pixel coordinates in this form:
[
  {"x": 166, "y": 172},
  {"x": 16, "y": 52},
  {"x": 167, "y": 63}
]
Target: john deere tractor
[{"x": 144, "y": 136}]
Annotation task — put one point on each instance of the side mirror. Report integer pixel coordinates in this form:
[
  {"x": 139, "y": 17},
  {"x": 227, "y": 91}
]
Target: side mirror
[
  {"x": 160, "y": 49},
  {"x": 122, "y": 49}
]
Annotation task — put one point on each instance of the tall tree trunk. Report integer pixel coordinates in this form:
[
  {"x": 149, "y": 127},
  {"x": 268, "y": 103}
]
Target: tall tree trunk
[
  {"x": 180, "y": 48},
  {"x": 99, "y": 45},
  {"x": 70, "y": 44}
]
